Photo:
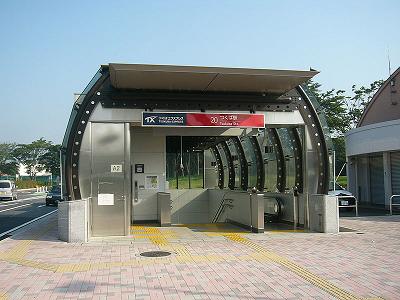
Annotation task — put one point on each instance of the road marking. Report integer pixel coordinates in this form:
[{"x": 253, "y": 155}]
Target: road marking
[
  {"x": 20, "y": 200},
  {"x": 41, "y": 205},
  {"x": 15, "y": 207},
  {"x": 27, "y": 223}
]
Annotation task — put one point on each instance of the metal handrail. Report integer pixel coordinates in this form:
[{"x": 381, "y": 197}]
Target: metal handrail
[
  {"x": 222, "y": 204},
  {"x": 355, "y": 205},
  {"x": 391, "y": 203},
  {"x": 221, "y": 209}
]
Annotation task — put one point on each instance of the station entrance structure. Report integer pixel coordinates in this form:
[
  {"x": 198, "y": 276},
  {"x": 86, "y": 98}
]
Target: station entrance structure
[{"x": 182, "y": 144}]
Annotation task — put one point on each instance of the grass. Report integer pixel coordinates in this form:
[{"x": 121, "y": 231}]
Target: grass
[
  {"x": 342, "y": 180},
  {"x": 196, "y": 181}
]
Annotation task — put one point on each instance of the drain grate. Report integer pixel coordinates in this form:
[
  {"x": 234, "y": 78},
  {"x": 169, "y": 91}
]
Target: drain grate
[
  {"x": 155, "y": 253},
  {"x": 3, "y": 237}
]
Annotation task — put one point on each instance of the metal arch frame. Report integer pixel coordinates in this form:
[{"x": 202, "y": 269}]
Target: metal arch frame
[
  {"x": 298, "y": 157},
  {"x": 280, "y": 160},
  {"x": 72, "y": 151},
  {"x": 259, "y": 163},
  {"x": 102, "y": 85},
  {"x": 314, "y": 127},
  {"x": 220, "y": 166},
  {"x": 244, "y": 169},
  {"x": 231, "y": 167}
]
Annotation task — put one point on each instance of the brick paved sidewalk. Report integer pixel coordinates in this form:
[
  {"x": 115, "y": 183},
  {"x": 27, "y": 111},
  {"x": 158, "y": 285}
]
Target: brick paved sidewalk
[{"x": 207, "y": 262}]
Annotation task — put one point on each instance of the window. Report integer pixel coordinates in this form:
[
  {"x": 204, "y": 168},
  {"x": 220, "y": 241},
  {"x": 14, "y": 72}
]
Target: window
[
  {"x": 4, "y": 185},
  {"x": 184, "y": 163}
]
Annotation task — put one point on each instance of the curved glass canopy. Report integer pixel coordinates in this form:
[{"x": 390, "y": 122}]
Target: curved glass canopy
[{"x": 270, "y": 159}]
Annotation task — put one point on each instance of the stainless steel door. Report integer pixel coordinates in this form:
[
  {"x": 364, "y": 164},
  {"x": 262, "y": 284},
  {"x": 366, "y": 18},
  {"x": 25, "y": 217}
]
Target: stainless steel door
[
  {"x": 108, "y": 203},
  {"x": 377, "y": 190}
]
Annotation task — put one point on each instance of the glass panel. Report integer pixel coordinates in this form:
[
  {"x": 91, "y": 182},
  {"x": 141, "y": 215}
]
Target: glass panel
[
  {"x": 4, "y": 185},
  {"x": 236, "y": 163},
  {"x": 56, "y": 189},
  {"x": 171, "y": 170},
  {"x": 269, "y": 157},
  {"x": 196, "y": 169},
  {"x": 79, "y": 101},
  {"x": 225, "y": 165},
  {"x": 321, "y": 116},
  {"x": 211, "y": 169},
  {"x": 288, "y": 154},
  {"x": 331, "y": 175},
  {"x": 183, "y": 170},
  {"x": 184, "y": 165},
  {"x": 251, "y": 161}
]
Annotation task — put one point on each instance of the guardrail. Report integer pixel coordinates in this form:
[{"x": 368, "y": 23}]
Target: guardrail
[
  {"x": 391, "y": 203},
  {"x": 41, "y": 189},
  {"x": 223, "y": 204},
  {"x": 355, "y": 205}
]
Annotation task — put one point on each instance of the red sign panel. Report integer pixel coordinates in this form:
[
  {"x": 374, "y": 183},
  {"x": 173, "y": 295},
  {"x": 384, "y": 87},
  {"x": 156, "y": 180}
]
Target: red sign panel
[
  {"x": 183, "y": 119},
  {"x": 225, "y": 120}
]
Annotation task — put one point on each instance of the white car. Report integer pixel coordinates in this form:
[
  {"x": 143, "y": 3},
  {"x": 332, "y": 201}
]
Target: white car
[
  {"x": 345, "y": 198},
  {"x": 7, "y": 190}
]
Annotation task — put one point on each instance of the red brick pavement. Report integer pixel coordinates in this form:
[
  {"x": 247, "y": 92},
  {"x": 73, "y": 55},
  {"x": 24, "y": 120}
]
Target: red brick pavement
[{"x": 206, "y": 264}]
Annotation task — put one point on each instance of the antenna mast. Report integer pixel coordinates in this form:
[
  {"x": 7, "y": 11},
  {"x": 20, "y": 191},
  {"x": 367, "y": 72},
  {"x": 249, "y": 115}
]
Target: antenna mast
[{"x": 388, "y": 56}]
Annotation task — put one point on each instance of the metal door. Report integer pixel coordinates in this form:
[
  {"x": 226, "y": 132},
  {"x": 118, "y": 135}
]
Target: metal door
[
  {"x": 377, "y": 190},
  {"x": 108, "y": 203},
  {"x": 395, "y": 170}
]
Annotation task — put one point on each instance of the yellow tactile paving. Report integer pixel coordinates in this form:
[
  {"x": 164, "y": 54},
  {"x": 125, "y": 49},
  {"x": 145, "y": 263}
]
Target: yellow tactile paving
[
  {"x": 161, "y": 238},
  {"x": 3, "y": 296},
  {"x": 263, "y": 254}
]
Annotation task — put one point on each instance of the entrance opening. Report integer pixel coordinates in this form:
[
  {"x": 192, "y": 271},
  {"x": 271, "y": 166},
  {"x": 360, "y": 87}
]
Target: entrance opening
[{"x": 210, "y": 178}]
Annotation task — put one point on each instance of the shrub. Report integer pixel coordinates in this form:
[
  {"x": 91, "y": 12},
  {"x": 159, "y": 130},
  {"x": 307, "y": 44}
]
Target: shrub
[{"x": 26, "y": 184}]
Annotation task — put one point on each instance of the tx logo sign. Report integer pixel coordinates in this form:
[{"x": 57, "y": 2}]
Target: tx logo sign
[{"x": 150, "y": 119}]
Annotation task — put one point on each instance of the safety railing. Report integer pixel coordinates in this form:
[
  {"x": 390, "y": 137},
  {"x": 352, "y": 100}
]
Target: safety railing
[
  {"x": 223, "y": 204},
  {"x": 343, "y": 206},
  {"x": 227, "y": 203},
  {"x": 41, "y": 189},
  {"x": 391, "y": 204}
]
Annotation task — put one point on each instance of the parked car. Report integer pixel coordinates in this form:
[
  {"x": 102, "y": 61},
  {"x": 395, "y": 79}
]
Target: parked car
[
  {"x": 7, "y": 190},
  {"x": 345, "y": 198},
  {"x": 53, "y": 196}
]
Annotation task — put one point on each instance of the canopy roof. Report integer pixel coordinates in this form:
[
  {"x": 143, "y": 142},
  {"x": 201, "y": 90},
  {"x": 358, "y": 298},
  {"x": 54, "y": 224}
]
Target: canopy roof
[{"x": 206, "y": 79}]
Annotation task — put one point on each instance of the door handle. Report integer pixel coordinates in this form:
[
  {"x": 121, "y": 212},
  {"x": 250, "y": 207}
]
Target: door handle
[{"x": 136, "y": 192}]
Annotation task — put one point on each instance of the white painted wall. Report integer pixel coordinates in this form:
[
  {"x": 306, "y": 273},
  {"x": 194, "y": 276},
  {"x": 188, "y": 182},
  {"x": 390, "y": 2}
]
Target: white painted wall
[
  {"x": 379, "y": 137},
  {"x": 149, "y": 150},
  {"x": 189, "y": 206}
]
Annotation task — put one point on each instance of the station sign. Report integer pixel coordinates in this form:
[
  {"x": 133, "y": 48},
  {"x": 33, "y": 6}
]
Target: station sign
[{"x": 186, "y": 119}]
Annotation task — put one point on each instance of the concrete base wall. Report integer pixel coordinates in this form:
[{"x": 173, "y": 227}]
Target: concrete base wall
[
  {"x": 324, "y": 213},
  {"x": 189, "y": 206},
  {"x": 72, "y": 221}
]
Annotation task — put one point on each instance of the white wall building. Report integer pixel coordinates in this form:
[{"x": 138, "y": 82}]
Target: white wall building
[
  {"x": 373, "y": 148},
  {"x": 23, "y": 171}
]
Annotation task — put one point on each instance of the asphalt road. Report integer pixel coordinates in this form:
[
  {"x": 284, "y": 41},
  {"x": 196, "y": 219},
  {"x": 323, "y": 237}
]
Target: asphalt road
[{"x": 29, "y": 206}]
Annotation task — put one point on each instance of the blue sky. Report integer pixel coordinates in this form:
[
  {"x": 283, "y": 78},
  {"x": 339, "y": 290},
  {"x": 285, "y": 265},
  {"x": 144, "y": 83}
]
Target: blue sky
[{"x": 51, "y": 49}]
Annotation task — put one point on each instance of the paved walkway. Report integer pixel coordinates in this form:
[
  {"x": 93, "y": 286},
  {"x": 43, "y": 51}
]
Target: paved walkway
[{"x": 207, "y": 262}]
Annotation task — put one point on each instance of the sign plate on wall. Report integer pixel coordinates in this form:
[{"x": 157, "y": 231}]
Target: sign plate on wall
[
  {"x": 169, "y": 119},
  {"x": 105, "y": 199},
  {"x": 116, "y": 168}
]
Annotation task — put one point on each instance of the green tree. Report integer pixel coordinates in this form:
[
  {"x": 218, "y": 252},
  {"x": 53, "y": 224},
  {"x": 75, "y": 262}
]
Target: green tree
[
  {"x": 8, "y": 164},
  {"x": 359, "y": 101},
  {"x": 51, "y": 160},
  {"x": 343, "y": 112},
  {"x": 31, "y": 155},
  {"x": 334, "y": 106}
]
